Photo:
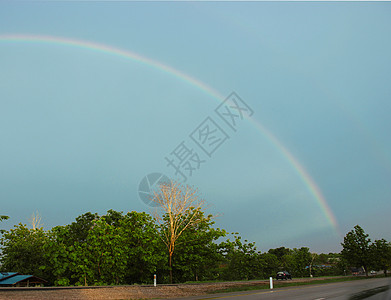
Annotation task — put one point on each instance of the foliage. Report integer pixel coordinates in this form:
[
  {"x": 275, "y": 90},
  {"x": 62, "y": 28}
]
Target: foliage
[
  {"x": 129, "y": 248},
  {"x": 298, "y": 260},
  {"x": 356, "y": 248},
  {"x": 115, "y": 249},
  {"x": 145, "y": 251},
  {"x": 242, "y": 261},
  {"x": 22, "y": 250},
  {"x": 2, "y": 218},
  {"x": 196, "y": 255},
  {"x": 381, "y": 255},
  {"x": 280, "y": 252},
  {"x": 57, "y": 254},
  {"x": 270, "y": 265}
]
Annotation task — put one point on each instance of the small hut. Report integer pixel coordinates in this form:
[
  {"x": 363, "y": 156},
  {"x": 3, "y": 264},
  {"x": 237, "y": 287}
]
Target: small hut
[{"x": 19, "y": 280}]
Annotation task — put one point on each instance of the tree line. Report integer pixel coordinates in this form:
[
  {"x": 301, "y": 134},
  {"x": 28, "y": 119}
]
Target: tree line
[
  {"x": 118, "y": 248},
  {"x": 178, "y": 242}
]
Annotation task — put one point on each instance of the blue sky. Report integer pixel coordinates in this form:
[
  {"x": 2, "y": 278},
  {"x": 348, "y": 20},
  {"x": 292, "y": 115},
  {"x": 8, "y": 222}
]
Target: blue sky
[{"x": 80, "y": 128}]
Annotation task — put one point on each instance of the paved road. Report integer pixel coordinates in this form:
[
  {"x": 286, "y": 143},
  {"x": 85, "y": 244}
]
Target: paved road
[{"x": 335, "y": 291}]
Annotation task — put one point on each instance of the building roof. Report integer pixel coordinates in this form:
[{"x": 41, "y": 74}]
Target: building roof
[
  {"x": 14, "y": 279},
  {"x": 4, "y": 275}
]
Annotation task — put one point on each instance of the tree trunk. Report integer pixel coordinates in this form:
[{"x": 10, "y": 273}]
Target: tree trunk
[
  {"x": 170, "y": 265},
  {"x": 366, "y": 270}
]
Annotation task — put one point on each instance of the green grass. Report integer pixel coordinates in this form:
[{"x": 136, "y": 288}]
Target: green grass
[{"x": 278, "y": 284}]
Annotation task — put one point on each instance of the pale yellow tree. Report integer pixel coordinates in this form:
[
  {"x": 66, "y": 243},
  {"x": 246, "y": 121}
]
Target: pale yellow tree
[
  {"x": 313, "y": 256},
  {"x": 177, "y": 209},
  {"x": 35, "y": 221}
]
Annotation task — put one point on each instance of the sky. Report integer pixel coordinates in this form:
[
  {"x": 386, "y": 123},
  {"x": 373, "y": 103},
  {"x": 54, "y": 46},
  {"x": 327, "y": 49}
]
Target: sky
[{"x": 278, "y": 112}]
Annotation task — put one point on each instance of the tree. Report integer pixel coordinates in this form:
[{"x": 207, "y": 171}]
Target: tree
[
  {"x": 57, "y": 251},
  {"x": 280, "y": 252},
  {"x": 35, "y": 220},
  {"x": 356, "y": 248},
  {"x": 105, "y": 251},
  {"x": 22, "y": 250},
  {"x": 110, "y": 249},
  {"x": 313, "y": 256},
  {"x": 242, "y": 258},
  {"x": 197, "y": 256},
  {"x": 298, "y": 260},
  {"x": 177, "y": 210},
  {"x": 282, "y": 255},
  {"x": 326, "y": 264},
  {"x": 270, "y": 265},
  {"x": 144, "y": 249},
  {"x": 78, "y": 230},
  {"x": 381, "y": 255},
  {"x": 2, "y": 218}
]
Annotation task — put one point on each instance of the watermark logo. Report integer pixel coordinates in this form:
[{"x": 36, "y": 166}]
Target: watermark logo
[
  {"x": 209, "y": 136},
  {"x": 202, "y": 143},
  {"x": 184, "y": 160},
  {"x": 233, "y": 110},
  {"x": 149, "y": 184}
]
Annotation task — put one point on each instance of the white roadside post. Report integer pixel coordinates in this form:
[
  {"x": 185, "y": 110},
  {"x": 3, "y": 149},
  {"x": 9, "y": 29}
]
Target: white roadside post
[
  {"x": 154, "y": 280},
  {"x": 271, "y": 283}
]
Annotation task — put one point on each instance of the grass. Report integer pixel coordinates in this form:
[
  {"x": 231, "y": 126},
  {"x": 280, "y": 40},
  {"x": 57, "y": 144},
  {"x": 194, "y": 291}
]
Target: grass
[{"x": 278, "y": 284}]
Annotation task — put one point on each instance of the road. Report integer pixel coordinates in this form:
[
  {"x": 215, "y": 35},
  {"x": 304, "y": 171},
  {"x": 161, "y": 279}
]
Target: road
[{"x": 335, "y": 291}]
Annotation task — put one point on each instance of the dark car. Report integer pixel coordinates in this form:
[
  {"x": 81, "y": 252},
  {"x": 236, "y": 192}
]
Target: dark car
[{"x": 283, "y": 275}]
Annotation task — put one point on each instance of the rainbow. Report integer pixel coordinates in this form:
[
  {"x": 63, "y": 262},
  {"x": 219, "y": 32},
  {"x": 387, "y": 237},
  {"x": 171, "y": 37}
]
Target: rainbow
[
  {"x": 92, "y": 46},
  {"x": 305, "y": 177}
]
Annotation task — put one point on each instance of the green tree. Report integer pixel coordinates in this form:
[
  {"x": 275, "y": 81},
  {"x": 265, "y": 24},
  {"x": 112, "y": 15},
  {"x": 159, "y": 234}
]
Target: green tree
[
  {"x": 57, "y": 252},
  {"x": 197, "y": 257},
  {"x": 280, "y": 252},
  {"x": 66, "y": 252},
  {"x": 327, "y": 264},
  {"x": 78, "y": 230},
  {"x": 297, "y": 261},
  {"x": 106, "y": 253},
  {"x": 111, "y": 249},
  {"x": 283, "y": 256},
  {"x": 144, "y": 249},
  {"x": 242, "y": 259},
  {"x": 270, "y": 265},
  {"x": 341, "y": 264},
  {"x": 356, "y": 248},
  {"x": 381, "y": 255},
  {"x": 2, "y": 218},
  {"x": 22, "y": 250}
]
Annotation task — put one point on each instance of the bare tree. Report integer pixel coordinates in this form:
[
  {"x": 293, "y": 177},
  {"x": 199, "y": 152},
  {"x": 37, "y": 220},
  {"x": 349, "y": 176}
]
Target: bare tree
[
  {"x": 35, "y": 220},
  {"x": 178, "y": 208},
  {"x": 313, "y": 256}
]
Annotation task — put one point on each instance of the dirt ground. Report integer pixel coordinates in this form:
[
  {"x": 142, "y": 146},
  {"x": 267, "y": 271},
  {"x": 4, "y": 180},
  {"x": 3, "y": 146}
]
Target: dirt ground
[{"x": 125, "y": 292}]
